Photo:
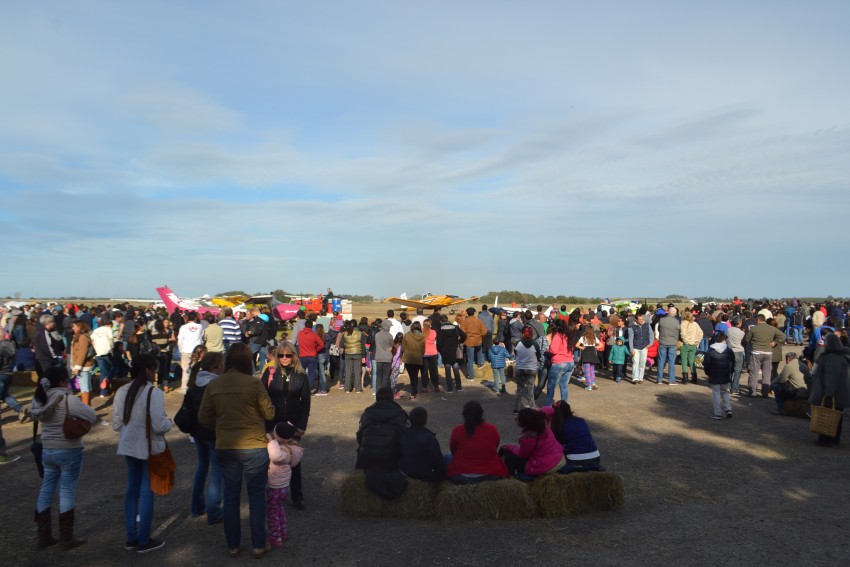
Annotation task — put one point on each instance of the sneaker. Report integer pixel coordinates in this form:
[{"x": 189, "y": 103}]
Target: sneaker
[
  {"x": 423, "y": 391},
  {"x": 672, "y": 383},
  {"x": 321, "y": 393},
  {"x": 4, "y": 459},
  {"x": 358, "y": 392},
  {"x": 414, "y": 397},
  {"x": 595, "y": 387},
  {"x": 275, "y": 542},
  {"x": 589, "y": 388},
  {"x": 717, "y": 417},
  {"x": 348, "y": 391},
  {"x": 729, "y": 414},
  {"x": 342, "y": 386},
  {"x": 261, "y": 552},
  {"x": 470, "y": 379},
  {"x": 151, "y": 545},
  {"x": 132, "y": 545}
]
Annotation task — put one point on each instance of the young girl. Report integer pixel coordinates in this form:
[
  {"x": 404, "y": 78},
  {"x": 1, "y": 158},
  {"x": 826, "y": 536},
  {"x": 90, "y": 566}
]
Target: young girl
[
  {"x": 284, "y": 453},
  {"x": 538, "y": 452},
  {"x": 396, "y": 365},
  {"x": 498, "y": 354},
  {"x": 589, "y": 358}
]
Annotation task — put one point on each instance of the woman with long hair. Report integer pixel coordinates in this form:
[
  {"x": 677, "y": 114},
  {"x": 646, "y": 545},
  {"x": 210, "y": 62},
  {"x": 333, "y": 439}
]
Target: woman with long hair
[
  {"x": 82, "y": 360},
  {"x": 527, "y": 353},
  {"x": 563, "y": 363},
  {"x": 135, "y": 404},
  {"x": 289, "y": 390},
  {"x": 62, "y": 457},
  {"x": 236, "y": 406},
  {"x": 574, "y": 436},
  {"x": 413, "y": 349},
  {"x": 429, "y": 358},
  {"x": 395, "y": 366},
  {"x": 205, "y": 502},
  {"x": 160, "y": 337},
  {"x": 474, "y": 449}
]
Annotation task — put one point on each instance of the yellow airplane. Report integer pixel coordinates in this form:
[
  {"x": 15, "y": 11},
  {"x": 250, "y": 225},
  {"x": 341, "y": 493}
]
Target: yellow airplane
[
  {"x": 429, "y": 301},
  {"x": 229, "y": 300}
]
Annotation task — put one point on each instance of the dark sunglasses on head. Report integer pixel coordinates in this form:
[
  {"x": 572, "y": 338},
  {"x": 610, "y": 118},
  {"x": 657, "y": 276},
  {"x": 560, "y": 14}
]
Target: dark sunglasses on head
[{"x": 282, "y": 355}]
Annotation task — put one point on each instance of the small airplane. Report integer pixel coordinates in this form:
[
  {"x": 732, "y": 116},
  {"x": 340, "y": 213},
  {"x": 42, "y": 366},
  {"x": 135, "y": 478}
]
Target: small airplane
[
  {"x": 495, "y": 310},
  {"x": 172, "y": 302},
  {"x": 282, "y": 311},
  {"x": 429, "y": 301},
  {"x": 620, "y": 304}
]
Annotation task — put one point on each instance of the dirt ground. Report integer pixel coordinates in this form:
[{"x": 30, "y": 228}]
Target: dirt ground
[{"x": 750, "y": 490}]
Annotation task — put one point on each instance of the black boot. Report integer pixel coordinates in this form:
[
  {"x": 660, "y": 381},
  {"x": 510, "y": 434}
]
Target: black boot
[
  {"x": 685, "y": 380},
  {"x": 67, "y": 540},
  {"x": 45, "y": 531}
]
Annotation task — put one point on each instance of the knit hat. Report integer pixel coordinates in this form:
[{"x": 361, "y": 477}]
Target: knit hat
[{"x": 284, "y": 431}]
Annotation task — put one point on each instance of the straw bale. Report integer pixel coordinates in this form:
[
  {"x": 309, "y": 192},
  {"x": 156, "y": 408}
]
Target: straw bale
[
  {"x": 796, "y": 408},
  {"x": 417, "y": 501},
  {"x": 496, "y": 500},
  {"x": 569, "y": 494}
]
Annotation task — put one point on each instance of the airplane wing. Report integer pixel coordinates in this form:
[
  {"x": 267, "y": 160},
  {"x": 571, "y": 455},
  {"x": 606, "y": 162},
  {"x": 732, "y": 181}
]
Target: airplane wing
[{"x": 431, "y": 301}]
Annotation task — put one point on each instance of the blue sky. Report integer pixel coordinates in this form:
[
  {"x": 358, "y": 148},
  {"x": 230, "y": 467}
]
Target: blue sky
[{"x": 618, "y": 149}]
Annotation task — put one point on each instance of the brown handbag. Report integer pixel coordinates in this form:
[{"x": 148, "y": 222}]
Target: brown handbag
[
  {"x": 74, "y": 427},
  {"x": 161, "y": 466}
]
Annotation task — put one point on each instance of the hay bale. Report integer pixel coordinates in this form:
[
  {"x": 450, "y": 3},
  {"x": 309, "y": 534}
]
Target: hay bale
[
  {"x": 796, "y": 408},
  {"x": 496, "y": 500},
  {"x": 569, "y": 494},
  {"x": 417, "y": 502},
  {"x": 25, "y": 379}
]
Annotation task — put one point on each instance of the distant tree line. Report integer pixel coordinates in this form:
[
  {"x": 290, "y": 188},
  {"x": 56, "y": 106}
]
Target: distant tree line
[{"x": 506, "y": 297}]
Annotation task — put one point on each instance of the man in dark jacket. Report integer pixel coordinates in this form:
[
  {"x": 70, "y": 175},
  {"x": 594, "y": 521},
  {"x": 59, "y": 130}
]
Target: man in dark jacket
[
  {"x": 449, "y": 337},
  {"x": 379, "y": 435},
  {"x": 718, "y": 365}
]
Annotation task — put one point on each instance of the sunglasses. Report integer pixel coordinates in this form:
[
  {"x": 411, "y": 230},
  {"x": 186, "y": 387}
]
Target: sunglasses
[{"x": 284, "y": 356}]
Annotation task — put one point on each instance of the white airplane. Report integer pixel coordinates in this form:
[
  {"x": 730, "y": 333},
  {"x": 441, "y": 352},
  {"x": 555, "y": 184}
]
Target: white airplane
[{"x": 496, "y": 309}]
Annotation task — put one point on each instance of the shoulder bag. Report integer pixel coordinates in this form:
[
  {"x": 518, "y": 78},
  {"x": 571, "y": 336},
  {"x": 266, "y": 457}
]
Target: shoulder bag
[
  {"x": 74, "y": 427},
  {"x": 161, "y": 466}
]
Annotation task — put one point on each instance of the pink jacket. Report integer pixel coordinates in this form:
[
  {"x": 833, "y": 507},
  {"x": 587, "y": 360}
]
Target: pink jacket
[
  {"x": 543, "y": 452},
  {"x": 282, "y": 457}
]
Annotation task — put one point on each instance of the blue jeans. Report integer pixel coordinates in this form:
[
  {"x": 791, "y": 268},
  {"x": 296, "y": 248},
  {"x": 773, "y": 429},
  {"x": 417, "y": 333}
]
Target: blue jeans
[
  {"x": 106, "y": 370},
  {"x": 323, "y": 381},
  {"x": 253, "y": 464},
  {"x": 470, "y": 361},
  {"x": 258, "y": 352},
  {"x": 498, "y": 376},
  {"x": 5, "y": 383},
  {"x": 374, "y": 375},
  {"x": 138, "y": 501},
  {"x": 703, "y": 345},
  {"x": 311, "y": 365},
  {"x": 797, "y": 331},
  {"x": 667, "y": 354},
  {"x": 559, "y": 375},
  {"x": 207, "y": 462},
  {"x": 61, "y": 467}
]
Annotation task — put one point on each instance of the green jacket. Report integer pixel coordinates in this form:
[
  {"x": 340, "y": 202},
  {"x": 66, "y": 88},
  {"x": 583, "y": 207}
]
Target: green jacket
[{"x": 236, "y": 406}]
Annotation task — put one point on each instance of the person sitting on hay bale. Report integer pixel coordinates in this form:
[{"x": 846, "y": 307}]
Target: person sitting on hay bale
[
  {"x": 379, "y": 445},
  {"x": 790, "y": 384},
  {"x": 574, "y": 435},
  {"x": 421, "y": 457},
  {"x": 474, "y": 445},
  {"x": 538, "y": 452}
]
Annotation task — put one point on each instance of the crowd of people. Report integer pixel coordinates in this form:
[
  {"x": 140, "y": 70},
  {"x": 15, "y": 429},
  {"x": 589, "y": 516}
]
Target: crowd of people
[{"x": 247, "y": 385}]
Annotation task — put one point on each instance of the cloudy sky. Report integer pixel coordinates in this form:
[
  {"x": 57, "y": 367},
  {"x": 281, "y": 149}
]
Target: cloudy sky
[{"x": 553, "y": 147}]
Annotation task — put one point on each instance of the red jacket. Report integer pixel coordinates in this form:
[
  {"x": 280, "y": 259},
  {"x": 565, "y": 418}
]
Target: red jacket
[
  {"x": 477, "y": 454},
  {"x": 309, "y": 343}
]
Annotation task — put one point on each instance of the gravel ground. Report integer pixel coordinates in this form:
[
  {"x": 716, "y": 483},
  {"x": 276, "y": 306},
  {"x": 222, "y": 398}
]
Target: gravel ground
[{"x": 752, "y": 489}]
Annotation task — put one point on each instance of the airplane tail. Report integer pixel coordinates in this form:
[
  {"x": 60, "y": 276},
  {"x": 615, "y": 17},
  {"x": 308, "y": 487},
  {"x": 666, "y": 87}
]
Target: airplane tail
[
  {"x": 168, "y": 298},
  {"x": 496, "y": 303}
]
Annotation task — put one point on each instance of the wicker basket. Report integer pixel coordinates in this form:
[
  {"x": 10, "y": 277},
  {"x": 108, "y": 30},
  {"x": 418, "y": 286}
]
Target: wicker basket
[{"x": 825, "y": 420}]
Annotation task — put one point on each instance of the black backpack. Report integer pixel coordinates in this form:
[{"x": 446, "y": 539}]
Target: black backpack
[{"x": 147, "y": 346}]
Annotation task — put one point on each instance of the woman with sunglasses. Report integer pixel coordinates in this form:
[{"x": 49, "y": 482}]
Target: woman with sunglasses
[{"x": 289, "y": 390}]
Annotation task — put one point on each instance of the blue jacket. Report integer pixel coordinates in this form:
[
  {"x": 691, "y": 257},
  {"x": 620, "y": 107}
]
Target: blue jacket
[{"x": 498, "y": 354}]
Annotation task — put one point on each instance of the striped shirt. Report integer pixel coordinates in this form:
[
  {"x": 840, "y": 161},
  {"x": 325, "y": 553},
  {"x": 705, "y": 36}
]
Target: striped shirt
[{"x": 232, "y": 330}]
